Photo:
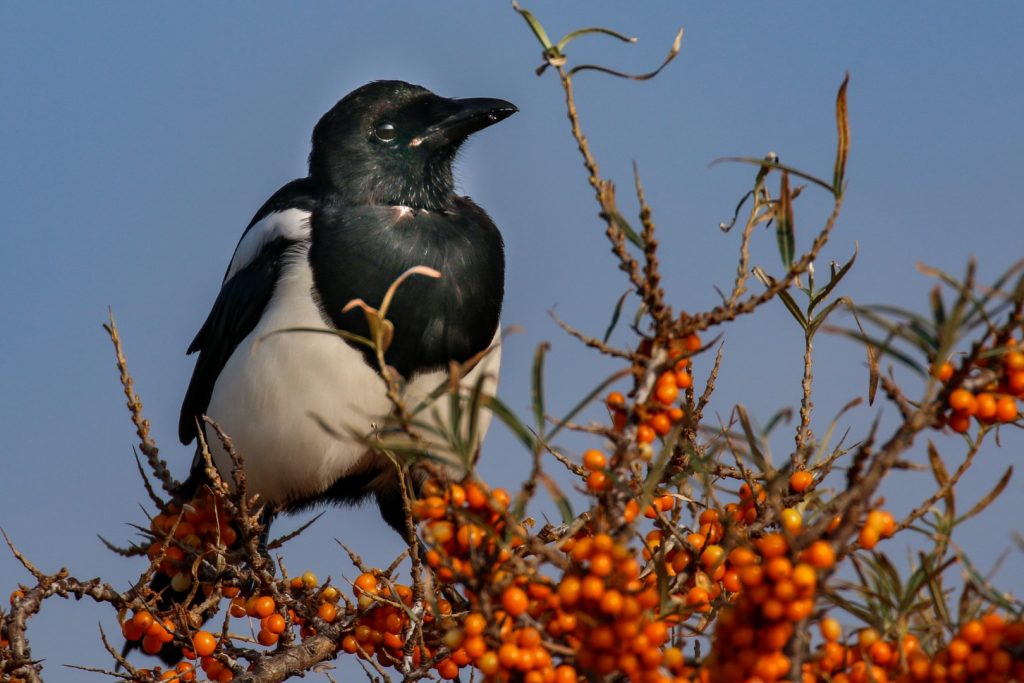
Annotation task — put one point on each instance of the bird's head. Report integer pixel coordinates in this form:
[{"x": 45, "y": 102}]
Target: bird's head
[{"x": 393, "y": 143}]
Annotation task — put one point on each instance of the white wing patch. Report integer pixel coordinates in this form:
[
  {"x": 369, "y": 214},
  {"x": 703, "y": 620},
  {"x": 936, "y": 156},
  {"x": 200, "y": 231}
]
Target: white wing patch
[{"x": 291, "y": 224}]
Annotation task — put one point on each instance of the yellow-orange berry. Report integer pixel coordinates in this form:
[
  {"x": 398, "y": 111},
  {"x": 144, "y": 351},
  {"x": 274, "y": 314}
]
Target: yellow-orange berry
[
  {"x": 264, "y": 606},
  {"x": 800, "y": 480},
  {"x": 514, "y": 600},
  {"x": 963, "y": 401},
  {"x": 1006, "y": 409},
  {"x": 821, "y": 555},
  {"x": 597, "y": 481},
  {"x": 204, "y": 643},
  {"x": 594, "y": 460}
]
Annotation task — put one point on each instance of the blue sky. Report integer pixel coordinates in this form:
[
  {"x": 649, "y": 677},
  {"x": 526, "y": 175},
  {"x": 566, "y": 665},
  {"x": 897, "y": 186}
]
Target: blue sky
[{"x": 136, "y": 141}]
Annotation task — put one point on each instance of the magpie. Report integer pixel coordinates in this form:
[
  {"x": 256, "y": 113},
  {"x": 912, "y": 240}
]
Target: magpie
[{"x": 379, "y": 199}]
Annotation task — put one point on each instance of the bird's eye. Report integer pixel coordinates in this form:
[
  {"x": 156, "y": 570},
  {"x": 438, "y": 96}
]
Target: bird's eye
[{"x": 385, "y": 132}]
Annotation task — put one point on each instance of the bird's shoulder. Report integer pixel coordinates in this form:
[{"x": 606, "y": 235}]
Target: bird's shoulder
[
  {"x": 285, "y": 215},
  {"x": 280, "y": 224}
]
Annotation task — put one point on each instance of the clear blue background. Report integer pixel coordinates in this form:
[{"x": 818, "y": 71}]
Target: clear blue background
[{"x": 136, "y": 141}]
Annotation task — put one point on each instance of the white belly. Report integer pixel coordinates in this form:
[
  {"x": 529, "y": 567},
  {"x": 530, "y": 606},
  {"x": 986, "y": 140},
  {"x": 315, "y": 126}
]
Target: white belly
[{"x": 276, "y": 391}]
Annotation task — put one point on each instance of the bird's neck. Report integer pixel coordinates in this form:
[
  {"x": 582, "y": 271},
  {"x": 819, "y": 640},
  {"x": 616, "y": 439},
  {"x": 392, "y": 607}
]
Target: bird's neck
[{"x": 431, "y": 188}]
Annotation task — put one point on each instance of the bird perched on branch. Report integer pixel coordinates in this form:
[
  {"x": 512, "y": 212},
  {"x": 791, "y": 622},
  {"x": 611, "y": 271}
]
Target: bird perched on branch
[{"x": 379, "y": 199}]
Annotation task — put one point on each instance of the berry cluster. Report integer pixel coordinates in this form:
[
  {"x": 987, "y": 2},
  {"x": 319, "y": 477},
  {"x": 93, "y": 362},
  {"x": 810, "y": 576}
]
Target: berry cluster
[
  {"x": 776, "y": 591},
  {"x": 464, "y": 528},
  {"x": 182, "y": 531},
  {"x": 658, "y": 415},
  {"x": 383, "y": 623},
  {"x": 981, "y": 651},
  {"x": 1002, "y": 383}
]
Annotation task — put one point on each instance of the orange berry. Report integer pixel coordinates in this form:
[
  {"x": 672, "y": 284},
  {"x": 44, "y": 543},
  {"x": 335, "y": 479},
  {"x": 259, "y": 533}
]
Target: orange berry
[
  {"x": 631, "y": 510},
  {"x": 594, "y": 460},
  {"x": 592, "y": 587},
  {"x": 972, "y": 632},
  {"x": 800, "y": 481},
  {"x": 327, "y": 611},
  {"x": 958, "y": 650},
  {"x": 597, "y": 481},
  {"x": 868, "y": 537},
  {"x": 791, "y": 520},
  {"x": 778, "y": 568},
  {"x": 474, "y": 624},
  {"x": 683, "y": 379},
  {"x": 821, "y": 555},
  {"x": 986, "y": 407},
  {"x": 265, "y": 637},
  {"x": 447, "y": 669},
  {"x": 366, "y": 583},
  {"x": 712, "y": 556},
  {"x": 476, "y": 497},
  {"x": 772, "y": 545},
  {"x": 565, "y": 674},
  {"x": 1006, "y": 409},
  {"x": 142, "y": 620},
  {"x": 264, "y": 606},
  {"x": 275, "y": 623},
  {"x": 798, "y": 610},
  {"x": 831, "y": 631},
  {"x": 615, "y": 400},
  {"x": 943, "y": 372},
  {"x": 741, "y": 556},
  {"x": 1013, "y": 361},
  {"x": 645, "y": 434},
  {"x": 661, "y": 423},
  {"x": 959, "y": 422},
  {"x": 569, "y": 591},
  {"x": 514, "y": 600},
  {"x": 666, "y": 393},
  {"x": 698, "y": 599},
  {"x": 601, "y": 564},
  {"x": 611, "y": 602},
  {"x": 963, "y": 401},
  {"x": 204, "y": 643},
  {"x": 151, "y": 645}
]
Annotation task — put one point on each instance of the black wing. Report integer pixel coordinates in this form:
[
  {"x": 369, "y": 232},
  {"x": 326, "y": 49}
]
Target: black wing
[{"x": 241, "y": 301}]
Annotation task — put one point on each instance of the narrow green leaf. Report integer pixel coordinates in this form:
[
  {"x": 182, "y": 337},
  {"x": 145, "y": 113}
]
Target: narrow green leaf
[
  {"x": 586, "y": 401},
  {"x": 834, "y": 280},
  {"x": 755, "y": 161},
  {"x": 622, "y": 224},
  {"x": 941, "y": 477},
  {"x": 785, "y": 297},
  {"x": 785, "y": 233},
  {"x": 726, "y": 227},
  {"x": 843, "y": 143},
  {"x": 935, "y": 589},
  {"x": 673, "y": 51},
  {"x": 875, "y": 344},
  {"x": 615, "y": 317},
  {"x": 535, "y": 25},
  {"x": 503, "y": 413},
  {"x": 537, "y": 387},
  {"x": 560, "y": 499},
  {"x": 573, "y": 35},
  {"x": 756, "y": 454},
  {"x": 821, "y": 317},
  {"x": 989, "y": 497}
]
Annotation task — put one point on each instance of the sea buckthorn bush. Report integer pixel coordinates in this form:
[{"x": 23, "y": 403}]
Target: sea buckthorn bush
[{"x": 694, "y": 556}]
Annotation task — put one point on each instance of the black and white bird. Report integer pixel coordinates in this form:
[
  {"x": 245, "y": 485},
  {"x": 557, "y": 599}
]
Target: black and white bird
[{"x": 378, "y": 200}]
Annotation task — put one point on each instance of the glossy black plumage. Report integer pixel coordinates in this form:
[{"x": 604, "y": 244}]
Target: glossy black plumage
[{"x": 379, "y": 199}]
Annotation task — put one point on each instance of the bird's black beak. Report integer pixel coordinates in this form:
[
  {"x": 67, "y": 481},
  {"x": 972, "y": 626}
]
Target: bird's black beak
[{"x": 463, "y": 118}]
